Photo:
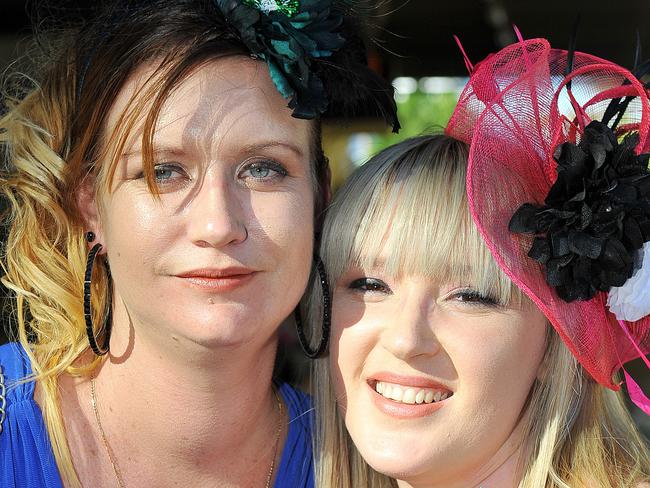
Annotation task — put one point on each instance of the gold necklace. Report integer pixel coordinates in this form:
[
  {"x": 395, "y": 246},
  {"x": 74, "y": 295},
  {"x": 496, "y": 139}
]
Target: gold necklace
[{"x": 116, "y": 469}]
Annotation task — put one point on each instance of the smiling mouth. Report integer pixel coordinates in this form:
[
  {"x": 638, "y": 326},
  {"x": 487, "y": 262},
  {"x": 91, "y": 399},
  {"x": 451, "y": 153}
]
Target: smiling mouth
[{"x": 411, "y": 395}]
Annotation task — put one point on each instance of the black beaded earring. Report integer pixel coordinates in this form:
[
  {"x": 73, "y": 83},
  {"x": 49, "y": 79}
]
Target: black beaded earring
[
  {"x": 327, "y": 307},
  {"x": 106, "y": 327}
]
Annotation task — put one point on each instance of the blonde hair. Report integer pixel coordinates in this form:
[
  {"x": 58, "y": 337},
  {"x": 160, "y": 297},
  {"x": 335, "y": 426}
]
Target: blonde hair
[{"x": 410, "y": 200}]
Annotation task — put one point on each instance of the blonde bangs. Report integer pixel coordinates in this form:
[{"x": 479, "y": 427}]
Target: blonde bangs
[{"x": 407, "y": 209}]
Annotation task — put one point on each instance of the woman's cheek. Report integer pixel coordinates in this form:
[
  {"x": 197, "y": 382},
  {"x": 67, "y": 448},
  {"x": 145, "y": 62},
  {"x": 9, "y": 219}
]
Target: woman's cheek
[{"x": 354, "y": 335}]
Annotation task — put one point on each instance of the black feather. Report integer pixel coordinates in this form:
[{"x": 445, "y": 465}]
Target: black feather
[
  {"x": 573, "y": 39},
  {"x": 352, "y": 88},
  {"x": 637, "y": 51}
]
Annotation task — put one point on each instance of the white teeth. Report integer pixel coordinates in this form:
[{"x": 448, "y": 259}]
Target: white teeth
[
  {"x": 419, "y": 398},
  {"x": 396, "y": 393},
  {"x": 410, "y": 395}
]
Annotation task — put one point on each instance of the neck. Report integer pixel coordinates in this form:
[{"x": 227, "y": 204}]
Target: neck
[{"x": 208, "y": 409}]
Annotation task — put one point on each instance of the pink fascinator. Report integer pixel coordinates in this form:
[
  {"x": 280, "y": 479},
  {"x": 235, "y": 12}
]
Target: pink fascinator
[{"x": 559, "y": 187}]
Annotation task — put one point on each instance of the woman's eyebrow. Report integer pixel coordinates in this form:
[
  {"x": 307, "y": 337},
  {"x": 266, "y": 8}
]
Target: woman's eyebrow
[
  {"x": 172, "y": 151},
  {"x": 247, "y": 149},
  {"x": 272, "y": 144}
]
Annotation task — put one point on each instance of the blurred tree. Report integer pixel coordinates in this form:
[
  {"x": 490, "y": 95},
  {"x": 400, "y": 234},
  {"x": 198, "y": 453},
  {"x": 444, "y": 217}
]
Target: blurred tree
[{"x": 419, "y": 113}]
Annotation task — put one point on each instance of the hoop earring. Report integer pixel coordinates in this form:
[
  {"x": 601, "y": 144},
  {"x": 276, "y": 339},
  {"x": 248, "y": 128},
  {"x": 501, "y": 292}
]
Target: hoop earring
[
  {"x": 90, "y": 331},
  {"x": 327, "y": 308}
]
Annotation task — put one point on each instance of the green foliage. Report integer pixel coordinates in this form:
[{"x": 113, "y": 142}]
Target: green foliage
[{"x": 419, "y": 113}]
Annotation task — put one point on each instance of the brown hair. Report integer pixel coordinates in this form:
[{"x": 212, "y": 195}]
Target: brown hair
[{"x": 53, "y": 137}]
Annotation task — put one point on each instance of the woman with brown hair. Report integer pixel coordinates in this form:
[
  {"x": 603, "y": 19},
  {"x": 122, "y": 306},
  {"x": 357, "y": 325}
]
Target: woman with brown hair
[{"x": 164, "y": 175}]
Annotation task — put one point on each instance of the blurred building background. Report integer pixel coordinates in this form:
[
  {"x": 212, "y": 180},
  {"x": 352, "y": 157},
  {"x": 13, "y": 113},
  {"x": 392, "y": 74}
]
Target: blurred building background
[{"x": 411, "y": 43}]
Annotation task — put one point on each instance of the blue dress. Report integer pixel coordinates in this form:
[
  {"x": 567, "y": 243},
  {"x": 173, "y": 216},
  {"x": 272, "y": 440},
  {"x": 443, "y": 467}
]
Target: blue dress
[{"x": 26, "y": 458}]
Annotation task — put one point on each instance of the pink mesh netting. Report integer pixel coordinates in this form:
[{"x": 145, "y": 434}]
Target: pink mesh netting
[{"x": 514, "y": 111}]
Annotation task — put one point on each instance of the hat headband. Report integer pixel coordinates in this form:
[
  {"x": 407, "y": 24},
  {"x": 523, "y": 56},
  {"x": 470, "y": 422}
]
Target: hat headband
[{"x": 515, "y": 112}]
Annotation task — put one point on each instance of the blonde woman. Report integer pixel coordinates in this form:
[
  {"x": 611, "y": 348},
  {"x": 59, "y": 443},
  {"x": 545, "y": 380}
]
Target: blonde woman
[
  {"x": 163, "y": 177},
  {"x": 446, "y": 369}
]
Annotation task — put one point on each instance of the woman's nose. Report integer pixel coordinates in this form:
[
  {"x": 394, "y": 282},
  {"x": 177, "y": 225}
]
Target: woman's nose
[
  {"x": 217, "y": 216},
  {"x": 409, "y": 333}
]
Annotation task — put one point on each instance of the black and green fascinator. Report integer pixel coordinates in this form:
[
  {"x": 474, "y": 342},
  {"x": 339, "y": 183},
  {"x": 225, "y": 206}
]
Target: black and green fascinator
[{"x": 315, "y": 56}]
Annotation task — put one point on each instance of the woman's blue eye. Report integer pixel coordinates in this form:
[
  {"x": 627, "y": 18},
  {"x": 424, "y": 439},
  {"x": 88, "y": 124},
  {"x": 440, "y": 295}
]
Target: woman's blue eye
[
  {"x": 370, "y": 285},
  {"x": 260, "y": 172},
  {"x": 263, "y": 170},
  {"x": 474, "y": 297},
  {"x": 162, "y": 173}
]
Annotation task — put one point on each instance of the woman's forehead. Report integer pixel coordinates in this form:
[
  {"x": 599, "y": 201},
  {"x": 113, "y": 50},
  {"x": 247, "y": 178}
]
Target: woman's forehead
[{"x": 223, "y": 100}]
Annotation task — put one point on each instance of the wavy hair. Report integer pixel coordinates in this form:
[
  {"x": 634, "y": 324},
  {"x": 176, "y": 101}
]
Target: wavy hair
[{"x": 53, "y": 139}]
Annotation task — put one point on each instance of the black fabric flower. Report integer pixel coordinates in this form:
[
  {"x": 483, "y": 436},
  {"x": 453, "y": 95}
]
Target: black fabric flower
[
  {"x": 596, "y": 215},
  {"x": 289, "y": 44}
]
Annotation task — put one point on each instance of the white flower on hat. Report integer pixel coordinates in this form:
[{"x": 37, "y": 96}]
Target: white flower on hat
[
  {"x": 267, "y": 6},
  {"x": 631, "y": 301}
]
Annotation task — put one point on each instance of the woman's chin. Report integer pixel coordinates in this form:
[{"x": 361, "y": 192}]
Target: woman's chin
[
  {"x": 404, "y": 469},
  {"x": 225, "y": 330},
  {"x": 403, "y": 460}
]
